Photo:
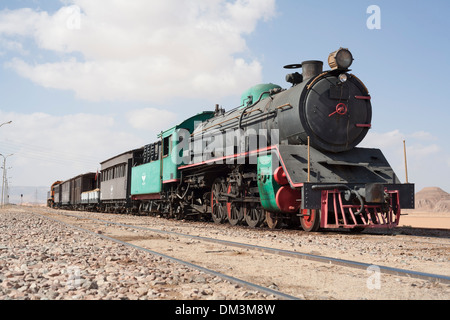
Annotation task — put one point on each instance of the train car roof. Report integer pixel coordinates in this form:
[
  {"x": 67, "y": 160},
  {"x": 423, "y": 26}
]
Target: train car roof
[
  {"x": 124, "y": 153},
  {"x": 80, "y": 175},
  {"x": 189, "y": 123}
]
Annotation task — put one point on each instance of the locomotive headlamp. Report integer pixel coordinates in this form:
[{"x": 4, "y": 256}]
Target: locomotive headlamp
[
  {"x": 340, "y": 59},
  {"x": 343, "y": 78}
]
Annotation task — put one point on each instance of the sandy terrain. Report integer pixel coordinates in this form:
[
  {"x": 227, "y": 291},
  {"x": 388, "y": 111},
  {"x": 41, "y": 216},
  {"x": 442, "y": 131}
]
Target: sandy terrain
[
  {"x": 432, "y": 210},
  {"x": 423, "y": 219}
]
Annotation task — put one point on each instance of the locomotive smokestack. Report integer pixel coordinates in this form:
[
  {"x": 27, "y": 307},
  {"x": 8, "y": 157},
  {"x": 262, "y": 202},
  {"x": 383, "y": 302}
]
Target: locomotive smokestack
[{"x": 311, "y": 69}]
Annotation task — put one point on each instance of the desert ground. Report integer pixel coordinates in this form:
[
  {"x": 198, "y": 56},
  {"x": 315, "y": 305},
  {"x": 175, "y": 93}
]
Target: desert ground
[
  {"x": 432, "y": 210},
  {"x": 424, "y": 219}
]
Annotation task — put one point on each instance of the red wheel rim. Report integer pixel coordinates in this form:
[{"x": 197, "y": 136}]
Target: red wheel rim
[{"x": 308, "y": 221}]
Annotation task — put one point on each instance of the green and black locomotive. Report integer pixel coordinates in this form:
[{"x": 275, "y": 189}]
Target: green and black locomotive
[{"x": 284, "y": 157}]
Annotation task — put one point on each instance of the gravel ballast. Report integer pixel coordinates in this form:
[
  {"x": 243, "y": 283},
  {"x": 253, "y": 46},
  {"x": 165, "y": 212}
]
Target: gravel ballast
[{"x": 44, "y": 260}]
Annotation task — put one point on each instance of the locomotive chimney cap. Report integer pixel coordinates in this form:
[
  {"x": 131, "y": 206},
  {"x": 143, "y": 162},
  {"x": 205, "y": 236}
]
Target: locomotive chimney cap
[{"x": 311, "y": 68}]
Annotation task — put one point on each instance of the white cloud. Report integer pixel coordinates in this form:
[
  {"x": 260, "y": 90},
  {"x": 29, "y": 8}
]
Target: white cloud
[
  {"x": 393, "y": 141},
  {"x": 10, "y": 45},
  {"x": 20, "y": 22},
  {"x": 142, "y": 50},
  {"x": 427, "y": 151},
  {"x": 383, "y": 140},
  {"x": 47, "y": 148},
  {"x": 423, "y": 135},
  {"x": 428, "y": 164},
  {"x": 151, "y": 119}
]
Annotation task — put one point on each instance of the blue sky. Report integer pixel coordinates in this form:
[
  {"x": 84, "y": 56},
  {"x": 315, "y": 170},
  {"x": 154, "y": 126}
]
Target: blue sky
[{"x": 82, "y": 86}]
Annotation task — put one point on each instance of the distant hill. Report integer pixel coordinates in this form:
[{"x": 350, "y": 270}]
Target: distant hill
[
  {"x": 433, "y": 199},
  {"x": 31, "y": 195}
]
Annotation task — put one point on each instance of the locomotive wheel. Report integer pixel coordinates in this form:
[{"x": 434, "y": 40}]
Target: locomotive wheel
[
  {"x": 235, "y": 210},
  {"x": 218, "y": 210},
  {"x": 273, "y": 220},
  {"x": 235, "y": 213},
  {"x": 254, "y": 216},
  {"x": 311, "y": 222}
]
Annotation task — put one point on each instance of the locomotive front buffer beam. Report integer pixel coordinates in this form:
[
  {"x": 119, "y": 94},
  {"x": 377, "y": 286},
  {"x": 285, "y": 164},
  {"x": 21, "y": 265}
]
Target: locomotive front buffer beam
[
  {"x": 335, "y": 192},
  {"x": 357, "y": 207},
  {"x": 362, "y": 194}
]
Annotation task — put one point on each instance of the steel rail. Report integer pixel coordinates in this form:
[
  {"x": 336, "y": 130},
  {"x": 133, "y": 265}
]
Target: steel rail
[
  {"x": 329, "y": 260},
  {"x": 249, "y": 285}
]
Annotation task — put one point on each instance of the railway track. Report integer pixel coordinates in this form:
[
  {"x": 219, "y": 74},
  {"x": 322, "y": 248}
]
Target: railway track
[
  {"x": 249, "y": 285},
  {"x": 294, "y": 274},
  {"x": 292, "y": 254}
]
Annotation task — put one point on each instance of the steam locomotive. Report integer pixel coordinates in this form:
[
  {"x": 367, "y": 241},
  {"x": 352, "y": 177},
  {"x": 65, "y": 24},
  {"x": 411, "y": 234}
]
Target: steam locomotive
[{"x": 284, "y": 157}]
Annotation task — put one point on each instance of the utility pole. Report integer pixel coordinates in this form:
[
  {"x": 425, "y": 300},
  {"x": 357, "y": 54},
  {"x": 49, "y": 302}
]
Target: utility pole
[
  {"x": 8, "y": 185},
  {"x": 4, "y": 167},
  {"x": 4, "y": 176}
]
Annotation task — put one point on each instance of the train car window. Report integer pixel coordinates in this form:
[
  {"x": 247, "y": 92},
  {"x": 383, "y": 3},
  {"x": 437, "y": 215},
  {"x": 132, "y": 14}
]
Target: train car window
[
  {"x": 157, "y": 150},
  {"x": 153, "y": 153},
  {"x": 166, "y": 146}
]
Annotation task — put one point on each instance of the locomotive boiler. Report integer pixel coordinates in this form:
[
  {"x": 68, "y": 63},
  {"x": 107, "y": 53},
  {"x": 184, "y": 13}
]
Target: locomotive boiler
[{"x": 332, "y": 108}]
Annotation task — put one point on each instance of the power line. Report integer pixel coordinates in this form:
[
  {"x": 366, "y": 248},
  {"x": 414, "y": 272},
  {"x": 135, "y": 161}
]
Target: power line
[{"x": 47, "y": 154}]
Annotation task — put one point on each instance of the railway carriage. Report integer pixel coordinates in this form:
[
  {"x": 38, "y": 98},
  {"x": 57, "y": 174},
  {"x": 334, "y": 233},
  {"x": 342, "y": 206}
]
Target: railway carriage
[
  {"x": 90, "y": 200},
  {"x": 115, "y": 180},
  {"x": 58, "y": 196},
  {"x": 66, "y": 199},
  {"x": 81, "y": 184},
  {"x": 70, "y": 191}
]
